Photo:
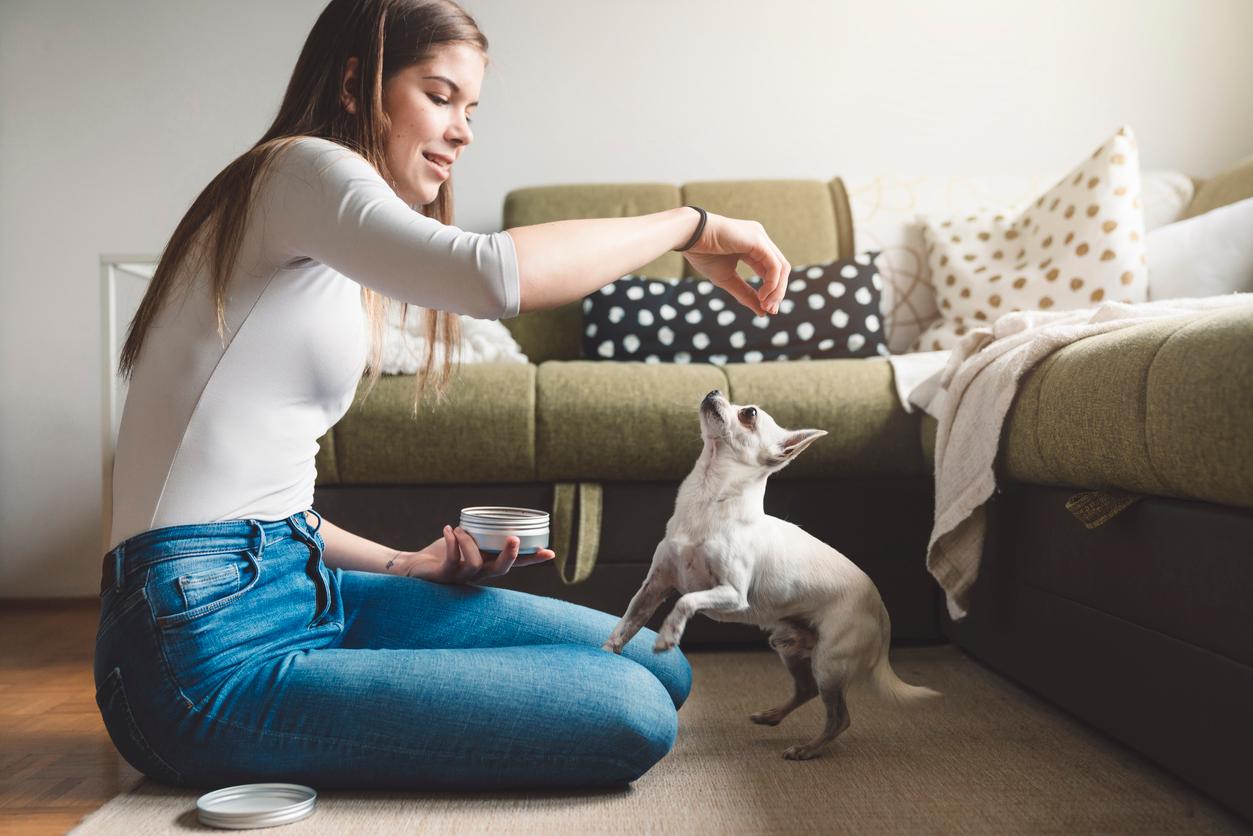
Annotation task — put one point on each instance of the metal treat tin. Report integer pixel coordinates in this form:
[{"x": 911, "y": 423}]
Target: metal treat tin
[
  {"x": 256, "y": 805},
  {"x": 489, "y": 525}
]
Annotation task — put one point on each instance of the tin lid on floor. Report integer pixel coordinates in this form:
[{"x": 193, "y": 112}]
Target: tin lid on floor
[{"x": 256, "y": 805}]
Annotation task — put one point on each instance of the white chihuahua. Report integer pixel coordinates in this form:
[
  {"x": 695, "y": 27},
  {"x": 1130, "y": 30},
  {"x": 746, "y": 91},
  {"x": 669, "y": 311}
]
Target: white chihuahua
[{"x": 732, "y": 561}]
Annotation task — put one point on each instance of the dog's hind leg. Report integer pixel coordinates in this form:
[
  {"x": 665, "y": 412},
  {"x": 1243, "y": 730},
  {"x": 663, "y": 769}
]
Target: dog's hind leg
[
  {"x": 837, "y": 721},
  {"x": 835, "y": 665},
  {"x": 794, "y": 647},
  {"x": 842, "y": 656}
]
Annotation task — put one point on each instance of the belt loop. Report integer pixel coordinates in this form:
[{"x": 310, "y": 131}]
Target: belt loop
[
  {"x": 117, "y": 566},
  {"x": 319, "y": 516},
  {"x": 260, "y": 531}
]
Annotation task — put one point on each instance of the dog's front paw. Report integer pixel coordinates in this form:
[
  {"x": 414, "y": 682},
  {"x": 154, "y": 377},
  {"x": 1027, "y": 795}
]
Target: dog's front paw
[
  {"x": 800, "y": 753},
  {"x": 612, "y": 646},
  {"x": 769, "y": 717}
]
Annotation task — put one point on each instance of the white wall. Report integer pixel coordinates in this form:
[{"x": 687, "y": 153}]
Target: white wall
[{"x": 114, "y": 115}]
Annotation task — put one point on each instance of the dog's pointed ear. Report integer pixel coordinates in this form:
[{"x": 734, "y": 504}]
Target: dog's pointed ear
[{"x": 792, "y": 444}]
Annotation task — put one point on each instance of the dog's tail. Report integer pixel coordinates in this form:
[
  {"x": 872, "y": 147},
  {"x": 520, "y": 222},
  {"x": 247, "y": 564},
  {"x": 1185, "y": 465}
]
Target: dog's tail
[
  {"x": 886, "y": 682},
  {"x": 889, "y": 685}
]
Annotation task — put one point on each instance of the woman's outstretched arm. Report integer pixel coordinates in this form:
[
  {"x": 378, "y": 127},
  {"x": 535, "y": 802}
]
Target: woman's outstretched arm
[
  {"x": 563, "y": 261},
  {"x": 324, "y": 202}
]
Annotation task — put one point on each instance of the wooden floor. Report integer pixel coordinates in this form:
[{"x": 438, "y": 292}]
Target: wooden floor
[{"x": 57, "y": 763}]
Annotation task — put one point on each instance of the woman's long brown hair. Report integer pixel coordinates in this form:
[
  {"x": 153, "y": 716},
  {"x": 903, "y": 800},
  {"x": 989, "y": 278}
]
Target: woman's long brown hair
[{"x": 386, "y": 36}]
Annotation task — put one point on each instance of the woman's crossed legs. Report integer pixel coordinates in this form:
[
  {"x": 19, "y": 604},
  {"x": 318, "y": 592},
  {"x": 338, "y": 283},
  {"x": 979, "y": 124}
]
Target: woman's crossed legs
[
  {"x": 434, "y": 686},
  {"x": 382, "y": 611}
]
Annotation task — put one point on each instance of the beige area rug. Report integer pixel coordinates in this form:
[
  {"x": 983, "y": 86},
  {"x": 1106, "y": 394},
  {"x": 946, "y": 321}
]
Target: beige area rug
[{"x": 986, "y": 758}]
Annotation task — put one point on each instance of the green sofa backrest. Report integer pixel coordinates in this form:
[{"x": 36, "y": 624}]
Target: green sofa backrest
[
  {"x": 1224, "y": 188},
  {"x": 809, "y": 220}
]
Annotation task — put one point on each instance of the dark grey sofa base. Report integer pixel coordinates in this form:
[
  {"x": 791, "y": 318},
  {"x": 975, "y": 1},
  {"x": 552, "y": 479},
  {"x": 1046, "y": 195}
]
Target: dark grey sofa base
[
  {"x": 881, "y": 524},
  {"x": 1141, "y": 627}
]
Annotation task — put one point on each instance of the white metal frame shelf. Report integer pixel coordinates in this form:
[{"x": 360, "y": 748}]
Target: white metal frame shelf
[{"x": 123, "y": 282}]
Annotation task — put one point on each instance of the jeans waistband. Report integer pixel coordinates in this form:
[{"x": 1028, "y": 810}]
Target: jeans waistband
[{"x": 181, "y": 540}]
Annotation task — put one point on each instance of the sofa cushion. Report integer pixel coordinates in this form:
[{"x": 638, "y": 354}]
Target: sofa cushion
[
  {"x": 855, "y": 401},
  {"x": 639, "y": 421},
  {"x": 619, "y": 421},
  {"x": 1159, "y": 408},
  {"x": 483, "y": 432}
]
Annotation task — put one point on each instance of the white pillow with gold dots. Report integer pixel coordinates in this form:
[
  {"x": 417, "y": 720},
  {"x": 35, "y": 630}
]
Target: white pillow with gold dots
[{"x": 1079, "y": 244}]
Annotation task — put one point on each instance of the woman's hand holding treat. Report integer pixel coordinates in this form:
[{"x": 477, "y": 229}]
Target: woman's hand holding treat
[
  {"x": 455, "y": 558},
  {"x": 727, "y": 241}
]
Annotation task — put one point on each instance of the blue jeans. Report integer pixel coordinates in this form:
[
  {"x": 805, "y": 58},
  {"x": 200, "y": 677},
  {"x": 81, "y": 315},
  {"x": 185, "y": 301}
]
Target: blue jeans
[{"x": 229, "y": 652}]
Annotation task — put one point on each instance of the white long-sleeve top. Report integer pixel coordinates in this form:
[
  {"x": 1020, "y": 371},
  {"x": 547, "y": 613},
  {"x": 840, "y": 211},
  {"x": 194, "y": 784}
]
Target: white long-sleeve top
[{"x": 211, "y": 433}]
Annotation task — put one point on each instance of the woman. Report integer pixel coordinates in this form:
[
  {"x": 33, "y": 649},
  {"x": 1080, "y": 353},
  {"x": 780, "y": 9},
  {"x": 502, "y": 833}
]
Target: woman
[{"x": 244, "y": 638}]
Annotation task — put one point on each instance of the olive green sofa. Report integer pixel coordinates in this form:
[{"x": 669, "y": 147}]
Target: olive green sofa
[
  {"x": 1140, "y": 626},
  {"x": 604, "y": 445}
]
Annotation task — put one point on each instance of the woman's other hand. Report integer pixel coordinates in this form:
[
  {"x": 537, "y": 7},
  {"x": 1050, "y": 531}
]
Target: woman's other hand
[
  {"x": 727, "y": 241},
  {"x": 455, "y": 558}
]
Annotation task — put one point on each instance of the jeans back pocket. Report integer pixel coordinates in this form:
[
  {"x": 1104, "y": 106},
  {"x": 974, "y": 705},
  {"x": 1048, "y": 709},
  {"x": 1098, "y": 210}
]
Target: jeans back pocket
[{"x": 119, "y": 722}]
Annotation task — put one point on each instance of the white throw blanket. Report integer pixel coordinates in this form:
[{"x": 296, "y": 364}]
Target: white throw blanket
[
  {"x": 482, "y": 341},
  {"x": 917, "y": 375},
  {"x": 971, "y": 397}
]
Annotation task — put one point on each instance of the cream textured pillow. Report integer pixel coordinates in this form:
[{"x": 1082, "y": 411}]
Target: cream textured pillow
[
  {"x": 482, "y": 341},
  {"x": 885, "y": 211},
  {"x": 1079, "y": 244},
  {"x": 1165, "y": 195}
]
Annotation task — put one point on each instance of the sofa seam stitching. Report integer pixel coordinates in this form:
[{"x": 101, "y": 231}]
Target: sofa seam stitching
[{"x": 1144, "y": 404}]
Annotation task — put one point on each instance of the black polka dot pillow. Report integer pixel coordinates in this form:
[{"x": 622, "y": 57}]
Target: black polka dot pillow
[{"x": 830, "y": 310}]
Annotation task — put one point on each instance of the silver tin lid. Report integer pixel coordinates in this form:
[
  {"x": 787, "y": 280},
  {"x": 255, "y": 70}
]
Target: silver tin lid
[
  {"x": 502, "y": 513},
  {"x": 256, "y": 805}
]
